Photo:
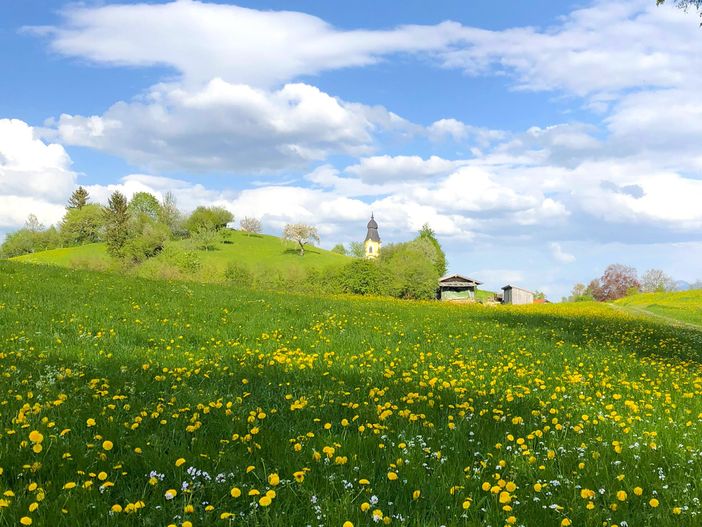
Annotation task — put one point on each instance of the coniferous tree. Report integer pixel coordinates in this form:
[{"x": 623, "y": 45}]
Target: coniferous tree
[
  {"x": 78, "y": 199},
  {"x": 116, "y": 224}
]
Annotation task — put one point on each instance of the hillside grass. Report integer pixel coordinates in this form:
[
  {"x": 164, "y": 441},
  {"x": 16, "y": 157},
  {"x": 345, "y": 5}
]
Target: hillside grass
[
  {"x": 682, "y": 306},
  {"x": 260, "y": 253},
  {"x": 126, "y": 401}
]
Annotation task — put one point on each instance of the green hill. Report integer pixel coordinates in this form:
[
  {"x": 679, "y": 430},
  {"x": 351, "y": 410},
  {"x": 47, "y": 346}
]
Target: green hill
[
  {"x": 683, "y": 306},
  {"x": 261, "y": 254},
  {"x": 140, "y": 402}
]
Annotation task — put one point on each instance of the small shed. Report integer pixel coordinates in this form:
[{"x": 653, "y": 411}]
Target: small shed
[
  {"x": 457, "y": 287},
  {"x": 516, "y": 295}
]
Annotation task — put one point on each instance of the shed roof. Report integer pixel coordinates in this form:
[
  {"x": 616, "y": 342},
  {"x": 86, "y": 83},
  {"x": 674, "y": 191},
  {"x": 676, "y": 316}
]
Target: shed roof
[
  {"x": 508, "y": 286},
  {"x": 458, "y": 278}
]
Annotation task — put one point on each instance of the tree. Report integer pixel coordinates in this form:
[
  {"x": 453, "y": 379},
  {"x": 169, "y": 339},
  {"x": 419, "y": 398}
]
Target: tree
[
  {"x": 409, "y": 269},
  {"x": 251, "y": 225},
  {"x": 617, "y": 281},
  {"x": 580, "y": 293},
  {"x": 170, "y": 216},
  {"x": 339, "y": 249},
  {"x": 210, "y": 217},
  {"x": 32, "y": 224},
  {"x": 427, "y": 233},
  {"x": 302, "y": 234},
  {"x": 362, "y": 277},
  {"x": 357, "y": 250},
  {"x": 684, "y": 4},
  {"x": 655, "y": 280},
  {"x": 82, "y": 225},
  {"x": 116, "y": 224},
  {"x": 78, "y": 199},
  {"x": 205, "y": 237},
  {"x": 144, "y": 203}
]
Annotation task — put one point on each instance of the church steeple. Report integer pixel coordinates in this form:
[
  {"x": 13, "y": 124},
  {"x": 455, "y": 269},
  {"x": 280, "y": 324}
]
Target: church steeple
[{"x": 372, "y": 242}]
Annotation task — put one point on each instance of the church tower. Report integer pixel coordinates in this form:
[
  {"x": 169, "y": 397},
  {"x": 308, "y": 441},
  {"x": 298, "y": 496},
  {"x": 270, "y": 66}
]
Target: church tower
[{"x": 372, "y": 241}]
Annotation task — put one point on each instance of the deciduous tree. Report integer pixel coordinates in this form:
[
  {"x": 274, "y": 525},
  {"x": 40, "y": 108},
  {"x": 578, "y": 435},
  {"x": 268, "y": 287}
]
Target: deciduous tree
[
  {"x": 251, "y": 225},
  {"x": 302, "y": 234},
  {"x": 655, "y": 280},
  {"x": 617, "y": 281}
]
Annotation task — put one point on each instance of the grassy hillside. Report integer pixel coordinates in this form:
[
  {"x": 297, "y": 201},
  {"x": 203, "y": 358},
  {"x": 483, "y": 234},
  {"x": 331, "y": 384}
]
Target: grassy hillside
[
  {"x": 684, "y": 306},
  {"x": 259, "y": 252},
  {"x": 134, "y": 402}
]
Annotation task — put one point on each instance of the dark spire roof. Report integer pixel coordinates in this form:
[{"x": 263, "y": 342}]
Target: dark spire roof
[
  {"x": 372, "y": 231},
  {"x": 372, "y": 223}
]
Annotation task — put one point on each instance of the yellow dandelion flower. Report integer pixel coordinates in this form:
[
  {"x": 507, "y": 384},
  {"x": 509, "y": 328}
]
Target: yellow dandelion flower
[
  {"x": 653, "y": 502},
  {"x": 265, "y": 501},
  {"x": 392, "y": 476},
  {"x": 107, "y": 445},
  {"x": 416, "y": 494},
  {"x": 179, "y": 461},
  {"x": 25, "y": 520},
  {"x": 116, "y": 508},
  {"x": 235, "y": 492},
  {"x": 36, "y": 437},
  {"x": 273, "y": 479},
  {"x": 621, "y": 495}
]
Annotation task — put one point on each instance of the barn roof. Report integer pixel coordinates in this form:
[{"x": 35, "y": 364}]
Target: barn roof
[
  {"x": 458, "y": 278},
  {"x": 508, "y": 286}
]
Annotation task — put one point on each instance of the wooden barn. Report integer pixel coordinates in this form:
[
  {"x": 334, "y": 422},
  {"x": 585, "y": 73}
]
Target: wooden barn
[
  {"x": 457, "y": 287},
  {"x": 516, "y": 295}
]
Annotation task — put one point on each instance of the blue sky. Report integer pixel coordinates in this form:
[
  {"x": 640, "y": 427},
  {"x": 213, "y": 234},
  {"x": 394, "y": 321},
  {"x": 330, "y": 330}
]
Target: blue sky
[{"x": 541, "y": 140}]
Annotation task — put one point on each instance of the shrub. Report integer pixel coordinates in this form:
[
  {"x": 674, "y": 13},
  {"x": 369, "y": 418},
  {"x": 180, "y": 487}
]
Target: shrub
[
  {"x": 361, "y": 277},
  {"x": 238, "y": 274}
]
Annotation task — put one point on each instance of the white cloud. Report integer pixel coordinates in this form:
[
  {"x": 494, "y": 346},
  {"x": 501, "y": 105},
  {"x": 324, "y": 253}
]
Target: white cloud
[
  {"x": 241, "y": 45},
  {"x": 35, "y": 177},
  {"x": 379, "y": 169},
  {"x": 595, "y": 51},
  {"x": 559, "y": 254},
  {"x": 228, "y": 127}
]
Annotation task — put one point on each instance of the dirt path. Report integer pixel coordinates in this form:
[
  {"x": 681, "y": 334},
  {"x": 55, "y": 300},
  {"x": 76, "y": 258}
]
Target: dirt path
[{"x": 643, "y": 311}]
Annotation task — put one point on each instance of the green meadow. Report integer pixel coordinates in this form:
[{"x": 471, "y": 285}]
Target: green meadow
[
  {"x": 126, "y": 401},
  {"x": 684, "y": 306},
  {"x": 261, "y": 254}
]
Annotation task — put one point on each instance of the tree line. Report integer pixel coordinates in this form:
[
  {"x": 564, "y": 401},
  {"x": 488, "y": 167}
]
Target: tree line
[
  {"x": 133, "y": 230},
  {"x": 619, "y": 281},
  {"x": 138, "y": 229}
]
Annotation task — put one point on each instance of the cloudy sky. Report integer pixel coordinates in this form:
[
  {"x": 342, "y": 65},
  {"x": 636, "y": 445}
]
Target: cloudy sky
[{"x": 541, "y": 140}]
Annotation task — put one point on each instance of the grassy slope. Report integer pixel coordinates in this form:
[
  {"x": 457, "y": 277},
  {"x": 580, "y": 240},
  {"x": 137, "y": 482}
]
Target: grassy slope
[
  {"x": 260, "y": 253},
  {"x": 211, "y": 374},
  {"x": 684, "y": 306}
]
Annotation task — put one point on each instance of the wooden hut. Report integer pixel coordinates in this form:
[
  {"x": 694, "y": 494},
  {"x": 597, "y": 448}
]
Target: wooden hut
[
  {"x": 516, "y": 295},
  {"x": 457, "y": 287}
]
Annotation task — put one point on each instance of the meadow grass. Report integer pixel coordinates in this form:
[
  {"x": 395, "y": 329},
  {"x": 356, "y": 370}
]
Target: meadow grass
[
  {"x": 134, "y": 402},
  {"x": 683, "y": 306},
  {"x": 260, "y": 253}
]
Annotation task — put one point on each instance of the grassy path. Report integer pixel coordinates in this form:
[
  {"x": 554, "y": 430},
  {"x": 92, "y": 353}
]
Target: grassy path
[{"x": 643, "y": 311}]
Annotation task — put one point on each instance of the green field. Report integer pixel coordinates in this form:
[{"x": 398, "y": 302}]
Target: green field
[
  {"x": 134, "y": 402},
  {"x": 683, "y": 306},
  {"x": 262, "y": 254}
]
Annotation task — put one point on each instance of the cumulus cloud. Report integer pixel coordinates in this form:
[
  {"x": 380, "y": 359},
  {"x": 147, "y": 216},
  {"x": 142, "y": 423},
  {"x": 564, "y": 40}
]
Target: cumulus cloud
[
  {"x": 596, "y": 51},
  {"x": 35, "y": 177},
  {"x": 379, "y": 169},
  {"x": 205, "y": 40},
  {"x": 228, "y": 127}
]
